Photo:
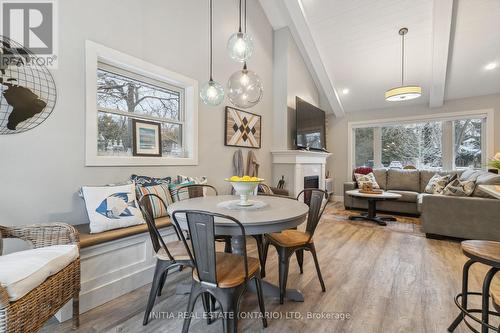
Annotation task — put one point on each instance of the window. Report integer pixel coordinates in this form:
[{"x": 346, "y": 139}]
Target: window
[
  {"x": 450, "y": 142},
  {"x": 121, "y": 89},
  {"x": 417, "y": 145},
  {"x": 468, "y": 143},
  {"x": 123, "y": 96},
  {"x": 364, "y": 146}
]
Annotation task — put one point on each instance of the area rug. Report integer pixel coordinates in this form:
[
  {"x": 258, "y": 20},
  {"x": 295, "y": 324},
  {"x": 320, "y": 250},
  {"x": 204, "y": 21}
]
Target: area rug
[{"x": 335, "y": 211}]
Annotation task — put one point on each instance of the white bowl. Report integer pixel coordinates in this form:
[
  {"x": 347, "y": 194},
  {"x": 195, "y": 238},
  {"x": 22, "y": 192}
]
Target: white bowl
[{"x": 244, "y": 189}]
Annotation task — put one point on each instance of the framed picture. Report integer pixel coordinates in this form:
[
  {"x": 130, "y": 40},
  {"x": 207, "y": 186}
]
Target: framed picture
[
  {"x": 242, "y": 128},
  {"x": 146, "y": 138}
]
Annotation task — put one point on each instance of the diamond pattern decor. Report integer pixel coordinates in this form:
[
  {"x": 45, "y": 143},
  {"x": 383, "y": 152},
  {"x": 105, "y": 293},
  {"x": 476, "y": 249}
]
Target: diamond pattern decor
[{"x": 243, "y": 129}]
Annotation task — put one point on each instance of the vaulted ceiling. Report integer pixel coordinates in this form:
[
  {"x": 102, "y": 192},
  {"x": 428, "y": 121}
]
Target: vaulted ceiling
[{"x": 448, "y": 46}]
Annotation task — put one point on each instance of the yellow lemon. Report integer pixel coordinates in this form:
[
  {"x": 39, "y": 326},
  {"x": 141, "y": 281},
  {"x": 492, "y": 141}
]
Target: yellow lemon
[
  {"x": 246, "y": 178},
  {"x": 234, "y": 178},
  {"x": 255, "y": 179}
]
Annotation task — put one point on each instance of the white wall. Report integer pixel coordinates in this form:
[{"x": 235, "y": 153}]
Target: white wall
[
  {"x": 337, "y": 128},
  {"x": 42, "y": 169},
  {"x": 291, "y": 78}
]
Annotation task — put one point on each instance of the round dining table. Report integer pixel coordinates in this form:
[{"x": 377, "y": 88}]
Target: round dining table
[{"x": 267, "y": 214}]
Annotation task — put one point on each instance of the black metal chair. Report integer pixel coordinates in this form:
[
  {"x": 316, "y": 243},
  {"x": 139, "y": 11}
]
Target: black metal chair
[
  {"x": 197, "y": 191},
  {"x": 222, "y": 275},
  {"x": 169, "y": 256},
  {"x": 293, "y": 241}
]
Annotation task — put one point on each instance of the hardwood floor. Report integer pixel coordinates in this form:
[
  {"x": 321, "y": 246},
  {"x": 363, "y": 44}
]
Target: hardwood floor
[{"x": 386, "y": 279}]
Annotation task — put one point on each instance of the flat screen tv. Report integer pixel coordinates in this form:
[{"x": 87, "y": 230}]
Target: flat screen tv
[{"x": 310, "y": 125}]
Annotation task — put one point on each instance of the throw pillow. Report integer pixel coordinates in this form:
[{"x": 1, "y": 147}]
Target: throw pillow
[
  {"x": 149, "y": 181},
  {"x": 460, "y": 188},
  {"x": 179, "y": 195},
  {"x": 197, "y": 180},
  {"x": 111, "y": 207},
  {"x": 163, "y": 191},
  {"x": 368, "y": 178},
  {"x": 362, "y": 171},
  {"x": 437, "y": 184}
]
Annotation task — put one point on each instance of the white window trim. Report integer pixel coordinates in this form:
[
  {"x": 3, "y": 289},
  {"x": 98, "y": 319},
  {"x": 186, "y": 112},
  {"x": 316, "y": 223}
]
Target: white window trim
[
  {"x": 488, "y": 114},
  {"x": 95, "y": 53}
]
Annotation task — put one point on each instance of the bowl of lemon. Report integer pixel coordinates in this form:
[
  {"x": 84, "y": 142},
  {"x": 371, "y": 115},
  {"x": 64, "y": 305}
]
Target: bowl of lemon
[{"x": 244, "y": 186}]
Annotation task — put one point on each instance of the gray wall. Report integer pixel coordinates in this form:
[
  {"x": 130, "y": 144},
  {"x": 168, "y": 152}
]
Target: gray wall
[
  {"x": 337, "y": 128},
  {"x": 43, "y": 169}
]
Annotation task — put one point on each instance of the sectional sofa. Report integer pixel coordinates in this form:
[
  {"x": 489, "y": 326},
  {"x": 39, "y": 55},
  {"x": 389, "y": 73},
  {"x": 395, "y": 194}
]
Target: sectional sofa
[{"x": 474, "y": 217}]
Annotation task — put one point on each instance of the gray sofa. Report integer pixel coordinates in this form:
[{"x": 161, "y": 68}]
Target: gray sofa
[{"x": 474, "y": 217}]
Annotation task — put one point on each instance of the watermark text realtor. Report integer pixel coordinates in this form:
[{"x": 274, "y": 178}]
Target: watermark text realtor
[{"x": 33, "y": 24}]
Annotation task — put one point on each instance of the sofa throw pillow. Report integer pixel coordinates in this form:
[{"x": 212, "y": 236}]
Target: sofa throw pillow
[
  {"x": 437, "y": 184},
  {"x": 159, "y": 209},
  {"x": 111, "y": 207},
  {"x": 361, "y": 170},
  {"x": 197, "y": 180},
  {"x": 179, "y": 195},
  {"x": 460, "y": 188},
  {"x": 368, "y": 178}
]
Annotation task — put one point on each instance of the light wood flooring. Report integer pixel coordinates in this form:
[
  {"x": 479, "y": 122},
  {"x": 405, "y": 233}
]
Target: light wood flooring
[{"x": 387, "y": 279}]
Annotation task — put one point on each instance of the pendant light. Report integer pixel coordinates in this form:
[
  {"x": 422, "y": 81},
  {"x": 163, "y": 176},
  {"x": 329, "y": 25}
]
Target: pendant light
[
  {"x": 244, "y": 88},
  {"x": 240, "y": 44},
  {"x": 212, "y": 92},
  {"x": 403, "y": 93}
]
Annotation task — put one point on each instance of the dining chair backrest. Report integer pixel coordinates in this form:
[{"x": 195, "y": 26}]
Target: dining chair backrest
[
  {"x": 154, "y": 234},
  {"x": 201, "y": 226},
  {"x": 317, "y": 200},
  {"x": 197, "y": 190}
]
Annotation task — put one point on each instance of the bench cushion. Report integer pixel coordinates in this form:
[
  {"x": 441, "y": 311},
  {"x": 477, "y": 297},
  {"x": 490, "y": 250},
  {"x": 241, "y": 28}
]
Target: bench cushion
[
  {"x": 87, "y": 239},
  {"x": 21, "y": 272}
]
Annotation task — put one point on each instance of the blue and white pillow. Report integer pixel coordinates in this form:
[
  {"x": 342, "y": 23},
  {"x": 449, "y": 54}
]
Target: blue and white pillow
[{"x": 111, "y": 207}]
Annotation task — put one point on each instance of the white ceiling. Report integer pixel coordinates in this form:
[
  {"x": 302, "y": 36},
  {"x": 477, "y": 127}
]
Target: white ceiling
[{"x": 360, "y": 49}]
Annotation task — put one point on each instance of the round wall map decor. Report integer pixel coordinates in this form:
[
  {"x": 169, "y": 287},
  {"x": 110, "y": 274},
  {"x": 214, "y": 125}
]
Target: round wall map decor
[{"x": 28, "y": 93}]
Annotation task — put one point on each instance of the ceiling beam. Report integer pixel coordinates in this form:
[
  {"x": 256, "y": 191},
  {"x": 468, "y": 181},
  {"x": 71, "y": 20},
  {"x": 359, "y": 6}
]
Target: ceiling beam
[
  {"x": 441, "y": 26},
  {"x": 290, "y": 13}
]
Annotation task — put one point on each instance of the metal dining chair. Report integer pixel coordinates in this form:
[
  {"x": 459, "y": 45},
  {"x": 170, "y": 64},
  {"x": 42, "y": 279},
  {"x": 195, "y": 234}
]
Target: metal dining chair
[
  {"x": 169, "y": 255},
  {"x": 197, "y": 191},
  {"x": 293, "y": 241},
  {"x": 222, "y": 275}
]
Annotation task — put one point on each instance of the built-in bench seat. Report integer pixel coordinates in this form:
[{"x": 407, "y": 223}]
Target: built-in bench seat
[
  {"x": 115, "y": 262},
  {"x": 87, "y": 239}
]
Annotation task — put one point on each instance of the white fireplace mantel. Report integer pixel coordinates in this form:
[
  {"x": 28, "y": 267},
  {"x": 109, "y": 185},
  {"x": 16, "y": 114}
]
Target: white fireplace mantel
[{"x": 294, "y": 165}]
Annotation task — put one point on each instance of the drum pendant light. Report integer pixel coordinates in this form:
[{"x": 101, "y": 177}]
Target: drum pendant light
[{"x": 403, "y": 93}]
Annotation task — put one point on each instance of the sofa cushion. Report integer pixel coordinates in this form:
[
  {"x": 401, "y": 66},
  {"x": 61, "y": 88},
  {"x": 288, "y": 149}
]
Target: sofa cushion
[
  {"x": 470, "y": 174},
  {"x": 485, "y": 178},
  {"x": 406, "y": 196},
  {"x": 437, "y": 184},
  {"x": 404, "y": 180},
  {"x": 426, "y": 175},
  {"x": 158, "y": 207},
  {"x": 381, "y": 177},
  {"x": 21, "y": 272}
]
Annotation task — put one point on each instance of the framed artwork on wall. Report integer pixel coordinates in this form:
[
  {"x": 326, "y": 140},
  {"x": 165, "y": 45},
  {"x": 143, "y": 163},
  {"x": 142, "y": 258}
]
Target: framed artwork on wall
[
  {"x": 242, "y": 128},
  {"x": 146, "y": 138}
]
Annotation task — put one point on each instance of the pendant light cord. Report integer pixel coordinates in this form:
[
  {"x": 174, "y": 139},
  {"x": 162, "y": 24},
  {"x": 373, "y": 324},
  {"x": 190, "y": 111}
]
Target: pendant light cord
[
  {"x": 211, "y": 36},
  {"x": 402, "y": 59},
  {"x": 245, "y": 16},
  {"x": 239, "y": 17}
]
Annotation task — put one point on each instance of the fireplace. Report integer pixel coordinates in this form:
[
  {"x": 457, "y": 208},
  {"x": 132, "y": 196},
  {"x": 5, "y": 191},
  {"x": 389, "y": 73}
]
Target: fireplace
[{"x": 311, "y": 182}]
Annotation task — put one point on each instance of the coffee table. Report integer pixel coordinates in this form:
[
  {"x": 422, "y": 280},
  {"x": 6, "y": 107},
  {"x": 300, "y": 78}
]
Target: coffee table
[{"x": 372, "y": 199}]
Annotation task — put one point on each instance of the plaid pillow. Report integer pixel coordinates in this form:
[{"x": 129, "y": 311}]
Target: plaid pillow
[{"x": 163, "y": 191}]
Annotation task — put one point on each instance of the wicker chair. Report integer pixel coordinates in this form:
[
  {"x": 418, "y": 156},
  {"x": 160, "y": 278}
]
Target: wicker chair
[{"x": 30, "y": 312}]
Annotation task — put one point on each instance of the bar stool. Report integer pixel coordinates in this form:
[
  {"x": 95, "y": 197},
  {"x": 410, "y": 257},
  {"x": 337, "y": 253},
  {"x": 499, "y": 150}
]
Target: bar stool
[{"x": 487, "y": 253}]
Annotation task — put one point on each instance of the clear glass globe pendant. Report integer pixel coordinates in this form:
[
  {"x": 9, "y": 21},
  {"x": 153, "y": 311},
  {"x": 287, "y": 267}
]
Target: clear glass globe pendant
[
  {"x": 244, "y": 88},
  {"x": 212, "y": 93},
  {"x": 240, "y": 46}
]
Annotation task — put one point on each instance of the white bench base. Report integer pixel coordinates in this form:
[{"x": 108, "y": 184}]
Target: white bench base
[{"x": 113, "y": 269}]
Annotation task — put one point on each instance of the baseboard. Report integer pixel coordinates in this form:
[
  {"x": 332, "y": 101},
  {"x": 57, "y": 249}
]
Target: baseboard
[{"x": 114, "y": 269}]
